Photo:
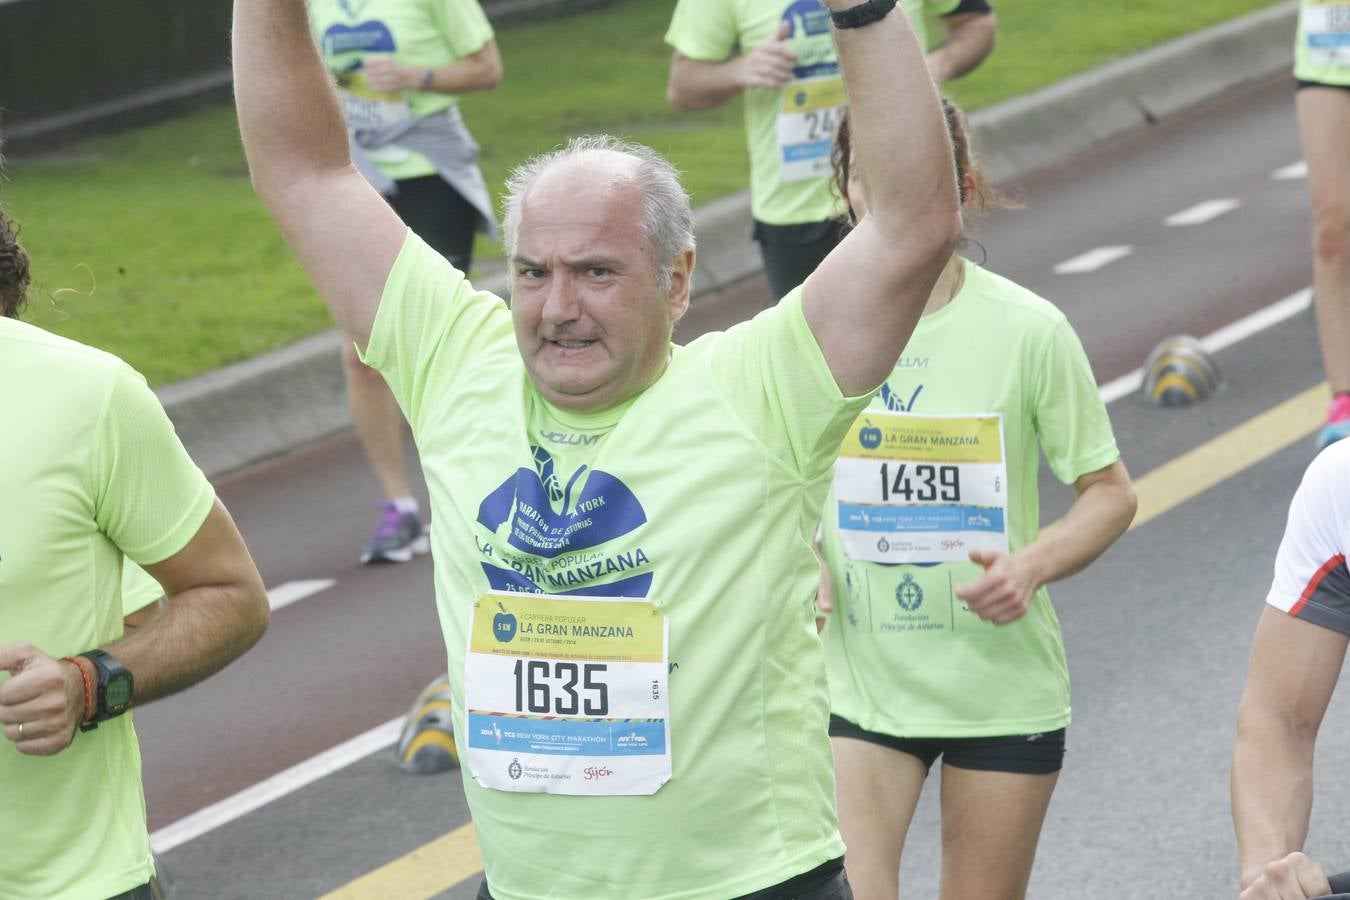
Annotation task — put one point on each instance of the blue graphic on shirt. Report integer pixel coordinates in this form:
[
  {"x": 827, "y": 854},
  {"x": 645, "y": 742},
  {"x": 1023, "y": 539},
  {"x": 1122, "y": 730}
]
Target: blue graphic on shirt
[
  {"x": 894, "y": 402},
  {"x": 367, "y": 37},
  {"x": 353, "y": 8},
  {"x": 557, "y": 529},
  {"x": 809, "y": 37}
]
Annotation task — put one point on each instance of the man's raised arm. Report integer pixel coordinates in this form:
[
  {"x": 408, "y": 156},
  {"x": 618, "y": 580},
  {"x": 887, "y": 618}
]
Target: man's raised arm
[
  {"x": 864, "y": 300},
  {"x": 342, "y": 232}
]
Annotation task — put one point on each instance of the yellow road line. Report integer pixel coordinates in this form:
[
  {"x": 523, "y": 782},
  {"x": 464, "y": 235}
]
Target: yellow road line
[
  {"x": 452, "y": 858},
  {"x": 425, "y": 872},
  {"x": 1198, "y": 470}
]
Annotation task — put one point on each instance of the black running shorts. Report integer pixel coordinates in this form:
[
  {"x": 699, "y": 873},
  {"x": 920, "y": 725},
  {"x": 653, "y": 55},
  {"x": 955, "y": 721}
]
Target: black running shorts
[
  {"x": 439, "y": 215},
  {"x": 825, "y": 882},
  {"x": 791, "y": 252},
  {"x": 1020, "y": 754}
]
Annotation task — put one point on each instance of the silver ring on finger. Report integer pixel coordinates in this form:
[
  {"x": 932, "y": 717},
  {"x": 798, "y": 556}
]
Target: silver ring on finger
[{"x": 20, "y": 731}]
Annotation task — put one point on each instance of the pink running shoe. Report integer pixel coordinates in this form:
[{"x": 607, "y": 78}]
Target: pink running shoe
[{"x": 1338, "y": 422}]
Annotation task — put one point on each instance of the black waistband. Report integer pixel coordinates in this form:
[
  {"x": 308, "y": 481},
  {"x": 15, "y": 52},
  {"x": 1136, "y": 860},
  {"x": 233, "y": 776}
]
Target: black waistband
[
  {"x": 799, "y": 884},
  {"x": 1301, "y": 84}
]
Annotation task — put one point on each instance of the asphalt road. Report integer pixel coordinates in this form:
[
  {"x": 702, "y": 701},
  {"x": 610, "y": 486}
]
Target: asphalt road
[{"x": 1157, "y": 631}]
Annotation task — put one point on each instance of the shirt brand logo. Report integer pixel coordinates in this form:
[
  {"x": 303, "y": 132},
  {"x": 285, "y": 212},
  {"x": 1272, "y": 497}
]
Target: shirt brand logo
[{"x": 563, "y": 437}]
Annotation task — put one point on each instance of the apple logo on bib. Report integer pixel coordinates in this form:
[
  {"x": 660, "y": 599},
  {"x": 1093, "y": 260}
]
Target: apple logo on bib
[
  {"x": 869, "y": 435},
  {"x": 555, "y": 533},
  {"x": 503, "y": 625}
]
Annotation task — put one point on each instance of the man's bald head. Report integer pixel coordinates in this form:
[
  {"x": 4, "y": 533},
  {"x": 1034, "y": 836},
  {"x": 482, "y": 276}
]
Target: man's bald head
[{"x": 603, "y": 163}]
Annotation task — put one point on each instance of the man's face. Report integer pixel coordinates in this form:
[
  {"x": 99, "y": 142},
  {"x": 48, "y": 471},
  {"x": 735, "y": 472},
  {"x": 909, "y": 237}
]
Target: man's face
[{"x": 591, "y": 320}]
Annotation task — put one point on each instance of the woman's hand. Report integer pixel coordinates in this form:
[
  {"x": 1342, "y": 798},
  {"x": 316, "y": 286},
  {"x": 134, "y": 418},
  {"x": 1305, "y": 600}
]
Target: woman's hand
[{"x": 1003, "y": 593}]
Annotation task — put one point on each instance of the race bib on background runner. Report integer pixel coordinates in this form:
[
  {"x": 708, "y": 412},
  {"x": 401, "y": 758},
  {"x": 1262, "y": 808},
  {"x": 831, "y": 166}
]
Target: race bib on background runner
[
  {"x": 807, "y": 121},
  {"x": 922, "y": 489},
  {"x": 367, "y": 110},
  {"x": 1326, "y": 28},
  {"x": 568, "y": 695}
]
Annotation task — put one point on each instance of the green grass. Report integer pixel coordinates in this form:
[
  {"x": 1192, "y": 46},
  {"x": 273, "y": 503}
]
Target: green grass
[{"x": 151, "y": 244}]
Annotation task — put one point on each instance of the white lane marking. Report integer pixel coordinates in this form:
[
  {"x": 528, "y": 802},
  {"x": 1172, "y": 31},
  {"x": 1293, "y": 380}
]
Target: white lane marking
[
  {"x": 1291, "y": 171},
  {"x": 378, "y": 738},
  {"x": 1260, "y": 320},
  {"x": 1093, "y": 260},
  {"x": 279, "y": 785},
  {"x": 295, "y": 591},
  {"x": 1201, "y": 213},
  {"x": 1226, "y": 336}
]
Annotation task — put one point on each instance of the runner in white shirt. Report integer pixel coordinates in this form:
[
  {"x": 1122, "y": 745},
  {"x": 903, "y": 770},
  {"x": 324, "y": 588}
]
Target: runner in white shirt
[{"x": 1307, "y": 620}]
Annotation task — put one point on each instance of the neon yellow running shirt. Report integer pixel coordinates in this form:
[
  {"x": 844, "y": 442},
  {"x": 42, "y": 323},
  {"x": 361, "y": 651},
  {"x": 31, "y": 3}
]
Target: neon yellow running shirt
[
  {"x": 905, "y": 657},
  {"x": 700, "y": 496},
  {"x": 1322, "y": 46},
  {"x": 98, "y": 473},
  {"x": 139, "y": 590},
  {"x": 422, "y": 34},
  {"x": 789, "y": 131}
]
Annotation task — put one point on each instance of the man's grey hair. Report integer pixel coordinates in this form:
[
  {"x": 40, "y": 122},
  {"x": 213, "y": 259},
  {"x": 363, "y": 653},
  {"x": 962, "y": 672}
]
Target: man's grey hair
[{"x": 668, "y": 221}]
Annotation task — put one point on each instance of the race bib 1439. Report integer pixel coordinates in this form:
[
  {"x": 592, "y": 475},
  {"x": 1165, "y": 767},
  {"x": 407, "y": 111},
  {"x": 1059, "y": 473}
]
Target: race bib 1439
[
  {"x": 1326, "y": 28},
  {"x": 921, "y": 489}
]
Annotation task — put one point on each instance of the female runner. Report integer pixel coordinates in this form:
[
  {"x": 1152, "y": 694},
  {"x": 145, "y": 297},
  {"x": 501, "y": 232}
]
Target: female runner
[{"x": 943, "y": 642}]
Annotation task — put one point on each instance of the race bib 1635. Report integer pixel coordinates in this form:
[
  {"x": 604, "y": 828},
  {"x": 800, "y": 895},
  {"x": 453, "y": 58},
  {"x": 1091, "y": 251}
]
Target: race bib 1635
[{"x": 568, "y": 695}]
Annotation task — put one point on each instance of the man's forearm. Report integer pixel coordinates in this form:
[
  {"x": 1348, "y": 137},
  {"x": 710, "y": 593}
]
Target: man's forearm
[
  {"x": 696, "y": 84},
  {"x": 864, "y": 299},
  {"x": 288, "y": 113},
  {"x": 900, "y": 141},
  {"x": 1272, "y": 787},
  {"x": 970, "y": 40},
  {"x": 1101, "y": 513},
  {"x": 481, "y": 71},
  {"x": 200, "y": 632}
]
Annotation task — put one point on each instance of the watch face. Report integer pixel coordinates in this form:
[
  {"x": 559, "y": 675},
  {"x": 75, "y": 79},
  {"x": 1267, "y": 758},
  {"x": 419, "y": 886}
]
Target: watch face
[{"x": 118, "y": 693}]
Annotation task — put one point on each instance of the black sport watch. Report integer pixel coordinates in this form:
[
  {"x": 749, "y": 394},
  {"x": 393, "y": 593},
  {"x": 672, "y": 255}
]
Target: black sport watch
[
  {"x": 113, "y": 692},
  {"x": 862, "y": 14}
]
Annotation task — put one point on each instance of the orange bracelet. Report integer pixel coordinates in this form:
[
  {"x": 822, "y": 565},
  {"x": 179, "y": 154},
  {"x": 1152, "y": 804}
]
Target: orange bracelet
[{"x": 78, "y": 663}]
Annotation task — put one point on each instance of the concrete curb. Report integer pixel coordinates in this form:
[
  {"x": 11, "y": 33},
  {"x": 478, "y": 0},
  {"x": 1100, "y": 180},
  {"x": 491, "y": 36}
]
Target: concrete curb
[
  {"x": 265, "y": 406},
  {"x": 1036, "y": 131}
]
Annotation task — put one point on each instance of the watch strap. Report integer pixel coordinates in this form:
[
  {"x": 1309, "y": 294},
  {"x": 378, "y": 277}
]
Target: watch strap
[
  {"x": 862, "y": 14},
  {"x": 108, "y": 669}
]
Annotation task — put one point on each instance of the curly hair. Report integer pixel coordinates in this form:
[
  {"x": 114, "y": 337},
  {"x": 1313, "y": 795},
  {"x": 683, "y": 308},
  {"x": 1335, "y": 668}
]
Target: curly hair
[
  {"x": 968, "y": 172},
  {"x": 14, "y": 276}
]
